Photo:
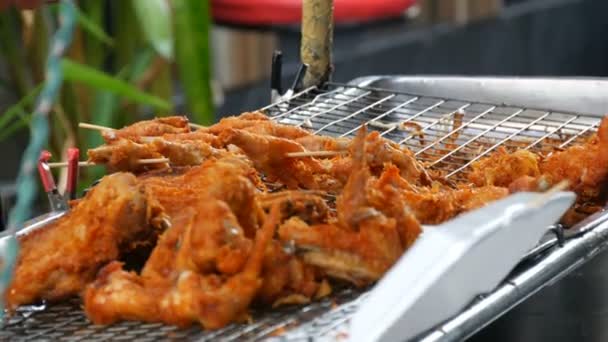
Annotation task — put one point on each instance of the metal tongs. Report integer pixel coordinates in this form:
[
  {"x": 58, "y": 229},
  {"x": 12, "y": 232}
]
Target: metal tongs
[{"x": 452, "y": 263}]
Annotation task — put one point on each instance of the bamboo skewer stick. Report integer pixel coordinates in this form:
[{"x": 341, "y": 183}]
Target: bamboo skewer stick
[
  {"x": 314, "y": 154},
  {"x": 103, "y": 128},
  {"x": 95, "y": 127},
  {"x": 65, "y": 164},
  {"x": 197, "y": 126},
  {"x": 87, "y": 163}
]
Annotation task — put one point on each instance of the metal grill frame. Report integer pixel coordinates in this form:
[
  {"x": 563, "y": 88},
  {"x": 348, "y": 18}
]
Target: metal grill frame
[{"x": 385, "y": 105}]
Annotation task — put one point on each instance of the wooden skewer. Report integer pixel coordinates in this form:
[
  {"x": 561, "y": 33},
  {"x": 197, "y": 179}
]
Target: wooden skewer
[
  {"x": 65, "y": 164},
  {"x": 103, "y": 128},
  {"x": 197, "y": 126},
  {"x": 314, "y": 154},
  {"x": 95, "y": 127},
  {"x": 87, "y": 163},
  {"x": 153, "y": 161}
]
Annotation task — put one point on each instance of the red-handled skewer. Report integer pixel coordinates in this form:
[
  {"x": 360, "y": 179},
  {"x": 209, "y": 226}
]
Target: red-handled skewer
[
  {"x": 56, "y": 201},
  {"x": 72, "y": 183}
]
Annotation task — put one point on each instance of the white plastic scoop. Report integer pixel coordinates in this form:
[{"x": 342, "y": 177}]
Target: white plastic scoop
[{"x": 452, "y": 263}]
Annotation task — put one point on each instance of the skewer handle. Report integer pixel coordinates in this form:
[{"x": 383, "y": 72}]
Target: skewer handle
[{"x": 95, "y": 127}]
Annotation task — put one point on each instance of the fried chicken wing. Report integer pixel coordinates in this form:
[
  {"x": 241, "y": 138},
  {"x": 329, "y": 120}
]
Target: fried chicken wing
[
  {"x": 323, "y": 143},
  {"x": 364, "y": 242},
  {"x": 584, "y": 166},
  {"x": 186, "y": 294},
  {"x": 230, "y": 179},
  {"x": 429, "y": 206},
  {"x": 58, "y": 260},
  {"x": 257, "y": 123},
  {"x": 269, "y": 155},
  {"x": 380, "y": 151},
  {"x": 148, "y": 128},
  {"x": 125, "y": 155}
]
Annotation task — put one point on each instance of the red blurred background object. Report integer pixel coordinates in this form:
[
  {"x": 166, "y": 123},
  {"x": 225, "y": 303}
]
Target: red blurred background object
[
  {"x": 287, "y": 12},
  {"x": 23, "y": 4}
]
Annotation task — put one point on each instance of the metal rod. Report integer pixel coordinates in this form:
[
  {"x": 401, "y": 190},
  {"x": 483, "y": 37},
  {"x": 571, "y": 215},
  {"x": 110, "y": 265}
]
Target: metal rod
[
  {"x": 462, "y": 127},
  {"x": 493, "y": 147},
  {"x": 388, "y": 112},
  {"x": 578, "y": 135},
  {"x": 548, "y": 134},
  {"x": 317, "y": 40},
  {"x": 443, "y": 117},
  {"x": 331, "y": 109},
  {"x": 355, "y": 113}
]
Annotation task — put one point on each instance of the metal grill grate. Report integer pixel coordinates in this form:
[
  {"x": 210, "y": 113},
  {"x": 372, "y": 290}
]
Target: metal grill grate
[{"x": 446, "y": 134}]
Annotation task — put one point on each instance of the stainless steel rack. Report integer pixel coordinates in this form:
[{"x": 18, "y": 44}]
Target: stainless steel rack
[{"x": 447, "y": 132}]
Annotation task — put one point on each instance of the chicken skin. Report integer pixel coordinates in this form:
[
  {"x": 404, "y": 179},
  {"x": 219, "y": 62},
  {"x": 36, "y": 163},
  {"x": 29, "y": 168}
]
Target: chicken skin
[{"x": 57, "y": 261}]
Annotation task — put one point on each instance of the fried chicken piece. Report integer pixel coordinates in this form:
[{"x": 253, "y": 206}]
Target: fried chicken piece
[
  {"x": 306, "y": 205},
  {"x": 364, "y": 242},
  {"x": 286, "y": 277},
  {"x": 257, "y": 123},
  {"x": 380, "y": 151},
  {"x": 185, "y": 153},
  {"x": 502, "y": 168},
  {"x": 199, "y": 135},
  {"x": 429, "y": 206},
  {"x": 230, "y": 179},
  {"x": 57, "y": 261},
  {"x": 187, "y": 295},
  {"x": 323, "y": 143},
  {"x": 125, "y": 155},
  {"x": 584, "y": 166},
  {"x": 148, "y": 128},
  {"x": 269, "y": 155}
]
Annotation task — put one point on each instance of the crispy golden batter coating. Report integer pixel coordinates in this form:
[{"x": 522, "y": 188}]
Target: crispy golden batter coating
[
  {"x": 125, "y": 155},
  {"x": 365, "y": 240},
  {"x": 502, "y": 168},
  {"x": 245, "y": 224},
  {"x": 58, "y": 260},
  {"x": 183, "y": 292},
  {"x": 149, "y": 128}
]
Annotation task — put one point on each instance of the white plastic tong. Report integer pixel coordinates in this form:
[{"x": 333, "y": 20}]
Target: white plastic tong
[{"x": 452, "y": 263}]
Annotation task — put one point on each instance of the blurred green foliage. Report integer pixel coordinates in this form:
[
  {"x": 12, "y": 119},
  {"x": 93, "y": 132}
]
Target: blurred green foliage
[{"x": 122, "y": 66}]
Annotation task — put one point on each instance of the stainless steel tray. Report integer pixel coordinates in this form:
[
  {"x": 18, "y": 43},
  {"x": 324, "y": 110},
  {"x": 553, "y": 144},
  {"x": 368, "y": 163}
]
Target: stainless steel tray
[{"x": 493, "y": 112}]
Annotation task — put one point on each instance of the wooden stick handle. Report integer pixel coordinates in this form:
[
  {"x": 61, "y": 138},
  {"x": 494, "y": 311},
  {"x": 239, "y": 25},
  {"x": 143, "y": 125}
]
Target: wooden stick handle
[
  {"x": 317, "y": 39},
  {"x": 87, "y": 163}
]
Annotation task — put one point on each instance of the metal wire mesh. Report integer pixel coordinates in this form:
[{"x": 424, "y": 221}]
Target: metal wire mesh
[{"x": 446, "y": 134}]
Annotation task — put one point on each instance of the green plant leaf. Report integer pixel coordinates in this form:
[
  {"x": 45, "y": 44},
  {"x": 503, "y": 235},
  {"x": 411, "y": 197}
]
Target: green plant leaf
[
  {"x": 77, "y": 72},
  {"x": 18, "y": 108},
  {"x": 191, "y": 24},
  {"x": 91, "y": 27},
  {"x": 15, "y": 127},
  {"x": 154, "y": 17}
]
